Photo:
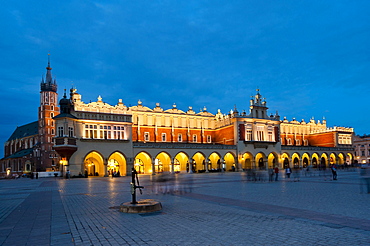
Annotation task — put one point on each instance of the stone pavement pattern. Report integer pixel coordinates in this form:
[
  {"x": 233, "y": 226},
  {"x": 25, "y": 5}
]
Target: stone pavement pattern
[{"x": 222, "y": 209}]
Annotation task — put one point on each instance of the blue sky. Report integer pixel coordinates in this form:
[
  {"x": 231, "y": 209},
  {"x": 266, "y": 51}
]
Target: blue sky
[{"x": 308, "y": 58}]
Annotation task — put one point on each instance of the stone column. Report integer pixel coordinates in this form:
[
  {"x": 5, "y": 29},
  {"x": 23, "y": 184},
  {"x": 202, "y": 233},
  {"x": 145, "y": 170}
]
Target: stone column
[
  {"x": 173, "y": 166},
  {"x": 206, "y": 164},
  {"x": 191, "y": 165},
  {"x": 105, "y": 168},
  {"x": 153, "y": 167}
]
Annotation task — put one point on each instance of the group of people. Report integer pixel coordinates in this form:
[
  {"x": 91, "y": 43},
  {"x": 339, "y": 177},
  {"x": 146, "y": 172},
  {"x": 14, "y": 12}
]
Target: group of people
[
  {"x": 114, "y": 173},
  {"x": 296, "y": 173}
]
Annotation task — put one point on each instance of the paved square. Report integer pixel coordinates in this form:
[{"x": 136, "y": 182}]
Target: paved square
[{"x": 219, "y": 209}]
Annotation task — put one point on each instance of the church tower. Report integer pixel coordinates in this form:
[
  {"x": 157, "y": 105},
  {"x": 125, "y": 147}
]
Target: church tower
[
  {"x": 258, "y": 108},
  {"x": 46, "y": 156}
]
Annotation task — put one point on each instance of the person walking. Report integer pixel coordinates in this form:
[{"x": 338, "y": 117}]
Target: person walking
[
  {"x": 334, "y": 172},
  {"x": 276, "y": 171},
  {"x": 288, "y": 171}
]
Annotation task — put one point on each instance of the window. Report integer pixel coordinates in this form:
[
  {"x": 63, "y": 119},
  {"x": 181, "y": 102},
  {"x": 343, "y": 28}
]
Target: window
[
  {"x": 163, "y": 137},
  {"x": 179, "y": 138},
  {"x": 70, "y": 132},
  {"x": 298, "y": 142},
  {"x": 146, "y": 136},
  {"x": 60, "y": 131},
  {"x": 270, "y": 136},
  {"x": 260, "y": 133},
  {"x": 260, "y": 136},
  {"x": 194, "y": 138},
  {"x": 209, "y": 139},
  {"x": 289, "y": 141},
  {"x": 249, "y": 135},
  {"x": 51, "y": 115}
]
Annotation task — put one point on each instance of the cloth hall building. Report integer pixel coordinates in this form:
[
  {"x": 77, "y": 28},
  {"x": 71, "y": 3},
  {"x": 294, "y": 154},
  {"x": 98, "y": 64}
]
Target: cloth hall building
[{"x": 97, "y": 138}]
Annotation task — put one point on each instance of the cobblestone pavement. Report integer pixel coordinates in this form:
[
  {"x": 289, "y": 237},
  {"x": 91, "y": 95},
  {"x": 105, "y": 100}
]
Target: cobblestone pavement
[{"x": 204, "y": 209}]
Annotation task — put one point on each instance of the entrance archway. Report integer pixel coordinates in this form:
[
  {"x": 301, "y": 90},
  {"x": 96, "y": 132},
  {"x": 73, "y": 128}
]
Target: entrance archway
[
  {"x": 332, "y": 159},
  {"x": 247, "y": 161},
  {"x": 199, "y": 162},
  {"x": 117, "y": 164},
  {"x": 272, "y": 160},
  {"x": 214, "y": 162},
  {"x": 315, "y": 160},
  {"x": 181, "y": 163},
  {"x": 229, "y": 161},
  {"x": 261, "y": 161},
  {"x": 143, "y": 163},
  {"x": 305, "y": 160},
  {"x": 94, "y": 164},
  {"x": 162, "y": 163},
  {"x": 340, "y": 159}
]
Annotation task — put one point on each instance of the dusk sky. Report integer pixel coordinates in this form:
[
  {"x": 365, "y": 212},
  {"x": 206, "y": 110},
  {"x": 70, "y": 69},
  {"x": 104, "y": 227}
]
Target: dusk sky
[{"x": 308, "y": 58}]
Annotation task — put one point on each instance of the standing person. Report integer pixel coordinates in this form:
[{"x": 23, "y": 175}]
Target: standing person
[
  {"x": 271, "y": 174},
  {"x": 68, "y": 174},
  {"x": 288, "y": 171},
  {"x": 334, "y": 172},
  {"x": 276, "y": 170}
]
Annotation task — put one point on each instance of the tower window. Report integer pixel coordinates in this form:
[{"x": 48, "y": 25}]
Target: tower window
[{"x": 60, "y": 131}]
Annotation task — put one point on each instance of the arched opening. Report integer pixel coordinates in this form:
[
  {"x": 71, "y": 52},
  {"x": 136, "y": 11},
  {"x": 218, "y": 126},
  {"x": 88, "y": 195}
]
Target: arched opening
[
  {"x": 27, "y": 167},
  {"x": 261, "y": 161},
  {"x": 116, "y": 164},
  {"x": 332, "y": 159},
  {"x": 214, "y": 162},
  {"x": 296, "y": 163},
  {"x": 199, "y": 162},
  {"x": 94, "y": 164},
  {"x": 286, "y": 162},
  {"x": 349, "y": 159},
  {"x": 181, "y": 163},
  {"x": 143, "y": 163},
  {"x": 247, "y": 162},
  {"x": 315, "y": 160},
  {"x": 305, "y": 162},
  {"x": 272, "y": 160},
  {"x": 229, "y": 162},
  {"x": 340, "y": 159},
  {"x": 162, "y": 163},
  {"x": 323, "y": 163}
]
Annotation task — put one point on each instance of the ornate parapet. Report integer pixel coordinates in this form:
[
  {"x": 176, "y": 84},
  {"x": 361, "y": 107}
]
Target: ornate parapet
[{"x": 182, "y": 146}]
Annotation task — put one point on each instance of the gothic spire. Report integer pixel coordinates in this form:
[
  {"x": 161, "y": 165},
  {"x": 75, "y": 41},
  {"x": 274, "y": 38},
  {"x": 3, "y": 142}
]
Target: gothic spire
[{"x": 48, "y": 84}]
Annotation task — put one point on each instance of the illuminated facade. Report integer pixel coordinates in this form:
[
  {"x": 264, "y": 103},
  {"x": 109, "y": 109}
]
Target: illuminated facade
[
  {"x": 97, "y": 138},
  {"x": 362, "y": 149}
]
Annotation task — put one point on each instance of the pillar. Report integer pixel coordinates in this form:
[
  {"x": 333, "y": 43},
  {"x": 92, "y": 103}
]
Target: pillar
[{"x": 105, "y": 164}]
